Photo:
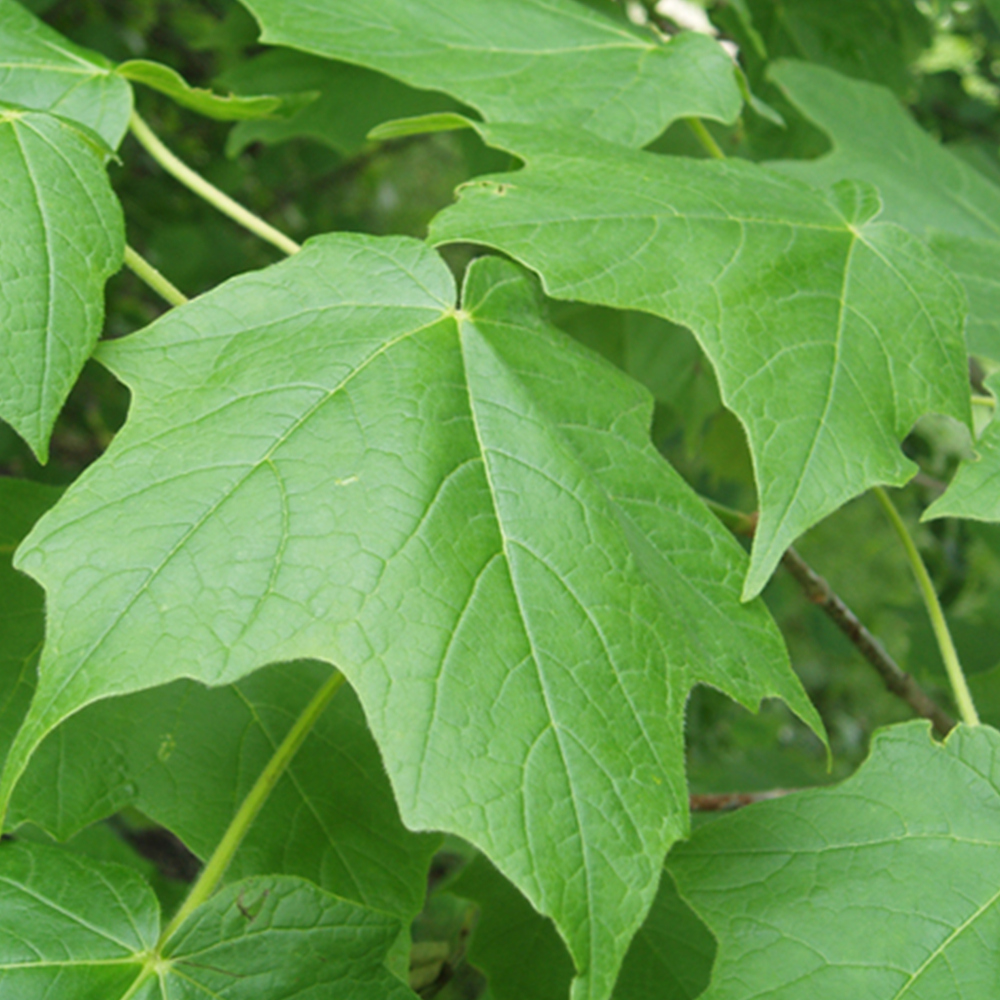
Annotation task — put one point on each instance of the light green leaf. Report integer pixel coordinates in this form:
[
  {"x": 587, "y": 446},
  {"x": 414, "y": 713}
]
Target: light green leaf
[
  {"x": 228, "y": 108},
  {"x": 41, "y": 70},
  {"x": 352, "y": 100},
  {"x": 61, "y": 237},
  {"x": 924, "y": 187},
  {"x": 976, "y": 264},
  {"x": 331, "y": 818},
  {"x": 22, "y": 603},
  {"x": 521, "y": 60},
  {"x": 830, "y": 332},
  {"x": 975, "y": 490},
  {"x": 670, "y": 957},
  {"x": 885, "y": 886},
  {"x": 86, "y": 930},
  {"x": 327, "y": 460}
]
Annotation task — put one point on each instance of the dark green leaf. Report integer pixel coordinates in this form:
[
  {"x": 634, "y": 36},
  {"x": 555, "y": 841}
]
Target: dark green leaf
[
  {"x": 351, "y": 102},
  {"x": 22, "y": 603},
  {"x": 670, "y": 957},
  {"x": 870, "y": 39},
  {"x": 521, "y": 60},
  {"x": 331, "y": 818}
]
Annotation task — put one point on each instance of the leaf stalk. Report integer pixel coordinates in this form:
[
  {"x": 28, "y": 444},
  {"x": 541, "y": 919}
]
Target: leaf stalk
[
  {"x": 960, "y": 689},
  {"x": 145, "y": 272},
  {"x": 704, "y": 137},
  {"x": 227, "y": 847},
  {"x": 209, "y": 192}
]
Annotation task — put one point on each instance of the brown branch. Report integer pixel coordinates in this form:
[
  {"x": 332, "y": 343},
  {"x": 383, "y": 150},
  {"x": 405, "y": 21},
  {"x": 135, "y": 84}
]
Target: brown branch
[
  {"x": 896, "y": 679},
  {"x": 727, "y": 801},
  {"x": 818, "y": 591}
]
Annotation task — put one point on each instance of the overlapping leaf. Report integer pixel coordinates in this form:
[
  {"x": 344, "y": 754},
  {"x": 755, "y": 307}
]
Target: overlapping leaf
[
  {"x": 830, "y": 332},
  {"x": 520, "y": 60},
  {"x": 71, "y": 922},
  {"x": 61, "y": 237},
  {"x": 463, "y": 512},
  {"x": 82, "y": 929},
  {"x": 41, "y": 70},
  {"x": 331, "y": 818},
  {"x": 934, "y": 194},
  {"x": 975, "y": 490},
  {"x": 923, "y": 186},
  {"x": 883, "y": 887}
]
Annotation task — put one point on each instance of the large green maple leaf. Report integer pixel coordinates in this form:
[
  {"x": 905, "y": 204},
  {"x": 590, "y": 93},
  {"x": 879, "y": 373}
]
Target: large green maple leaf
[
  {"x": 830, "y": 332},
  {"x": 521, "y": 60},
  {"x": 461, "y": 509},
  {"x": 885, "y": 886}
]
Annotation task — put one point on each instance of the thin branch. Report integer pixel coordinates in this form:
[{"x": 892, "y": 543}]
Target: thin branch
[
  {"x": 896, "y": 679},
  {"x": 821, "y": 594},
  {"x": 727, "y": 801}
]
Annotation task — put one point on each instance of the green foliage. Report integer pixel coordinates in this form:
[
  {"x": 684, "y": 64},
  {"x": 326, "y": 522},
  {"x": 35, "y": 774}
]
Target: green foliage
[
  {"x": 923, "y": 186},
  {"x": 94, "y": 927},
  {"x": 798, "y": 297},
  {"x": 465, "y": 483},
  {"x": 527, "y": 61},
  {"x": 46, "y": 72},
  {"x": 804, "y": 897}
]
